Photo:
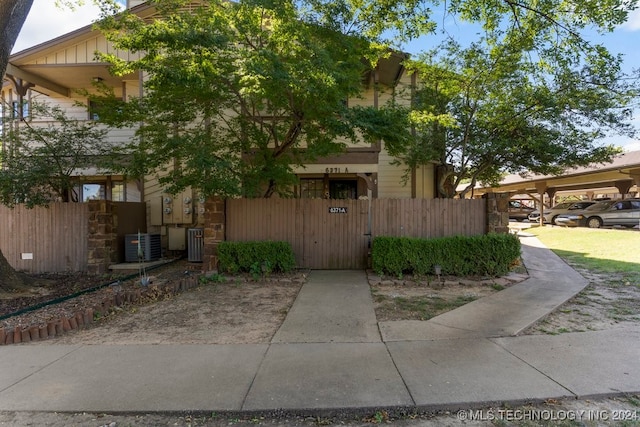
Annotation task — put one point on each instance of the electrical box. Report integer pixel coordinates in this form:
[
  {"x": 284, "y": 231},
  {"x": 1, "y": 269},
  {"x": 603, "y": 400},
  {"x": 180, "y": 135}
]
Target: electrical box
[
  {"x": 155, "y": 211},
  {"x": 177, "y": 239},
  {"x": 178, "y": 208}
]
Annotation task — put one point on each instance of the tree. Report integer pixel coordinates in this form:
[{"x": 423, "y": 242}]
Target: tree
[
  {"x": 238, "y": 93},
  {"x": 40, "y": 162},
  {"x": 488, "y": 110},
  {"x": 12, "y": 15}
]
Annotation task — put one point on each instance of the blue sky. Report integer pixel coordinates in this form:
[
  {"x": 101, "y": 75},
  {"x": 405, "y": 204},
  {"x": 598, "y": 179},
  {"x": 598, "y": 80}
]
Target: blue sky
[{"x": 46, "y": 21}]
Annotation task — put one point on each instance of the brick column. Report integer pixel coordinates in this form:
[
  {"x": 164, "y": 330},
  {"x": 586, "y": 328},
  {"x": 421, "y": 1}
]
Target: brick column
[
  {"x": 497, "y": 212},
  {"x": 102, "y": 236},
  {"x": 214, "y": 231}
]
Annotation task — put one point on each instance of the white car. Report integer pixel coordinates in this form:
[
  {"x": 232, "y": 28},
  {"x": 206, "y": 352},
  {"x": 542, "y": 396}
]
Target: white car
[{"x": 550, "y": 214}]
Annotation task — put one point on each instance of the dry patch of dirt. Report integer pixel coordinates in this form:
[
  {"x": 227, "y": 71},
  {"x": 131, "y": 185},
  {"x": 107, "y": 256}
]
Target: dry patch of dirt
[
  {"x": 215, "y": 313},
  {"x": 219, "y": 310},
  {"x": 607, "y": 302},
  {"x": 421, "y": 298}
]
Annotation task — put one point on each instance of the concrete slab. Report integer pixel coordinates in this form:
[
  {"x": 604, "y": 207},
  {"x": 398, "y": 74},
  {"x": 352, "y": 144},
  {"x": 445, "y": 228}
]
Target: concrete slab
[
  {"x": 332, "y": 306},
  {"x": 420, "y": 330},
  {"x": 507, "y": 312},
  {"x": 454, "y": 373},
  {"x": 327, "y": 376},
  {"x": 139, "y": 378},
  {"x": 542, "y": 263},
  {"x": 131, "y": 267},
  {"x": 587, "y": 363},
  {"x": 20, "y": 362}
]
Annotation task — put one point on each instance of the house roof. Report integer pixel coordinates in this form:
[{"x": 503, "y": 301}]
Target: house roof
[{"x": 64, "y": 63}]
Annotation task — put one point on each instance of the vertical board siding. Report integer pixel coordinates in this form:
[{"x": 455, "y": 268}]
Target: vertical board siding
[
  {"x": 323, "y": 240},
  {"x": 55, "y": 236}
]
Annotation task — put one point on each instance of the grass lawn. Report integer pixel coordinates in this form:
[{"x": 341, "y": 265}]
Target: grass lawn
[{"x": 603, "y": 251}]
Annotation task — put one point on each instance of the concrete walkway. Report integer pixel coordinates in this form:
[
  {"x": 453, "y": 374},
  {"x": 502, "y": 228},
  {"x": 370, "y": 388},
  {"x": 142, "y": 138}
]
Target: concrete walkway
[
  {"x": 552, "y": 282},
  {"x": 329, "y": 356}
]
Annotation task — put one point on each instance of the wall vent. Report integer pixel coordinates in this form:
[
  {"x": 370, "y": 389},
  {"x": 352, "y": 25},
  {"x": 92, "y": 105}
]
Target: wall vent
[
  {"x": 150, "y": 246},
  {"x": 195, "y": 244}
]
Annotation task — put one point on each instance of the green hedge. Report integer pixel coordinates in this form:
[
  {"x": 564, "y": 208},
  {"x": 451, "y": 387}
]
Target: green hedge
[
  {"x": 485, "y": 255},
  {"x": 250, "y": 257}
]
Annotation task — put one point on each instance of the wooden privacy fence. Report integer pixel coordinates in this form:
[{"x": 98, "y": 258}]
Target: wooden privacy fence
[
  {"x": 335, "y": 234},
  {"x": 68, "y": 236},
  {"x": 43, "y": 239}
]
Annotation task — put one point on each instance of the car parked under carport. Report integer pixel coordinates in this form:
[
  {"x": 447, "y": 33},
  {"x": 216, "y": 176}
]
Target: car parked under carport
[
  {"x": 625, "y": 213},
  {"x": 550, "y": 214}
]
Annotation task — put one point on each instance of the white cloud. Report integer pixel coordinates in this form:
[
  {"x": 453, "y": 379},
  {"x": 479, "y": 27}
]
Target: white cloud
[
  {"x": 633, "y": 146},
  {"x": 46, "y": 21},
  {"x": 633, "y": 22}
]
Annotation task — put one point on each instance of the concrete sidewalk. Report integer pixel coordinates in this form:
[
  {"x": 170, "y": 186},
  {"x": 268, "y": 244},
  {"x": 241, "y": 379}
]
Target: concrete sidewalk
[
  {"x": 551, "y": 283},
  {"x": 334, "y": 359}
]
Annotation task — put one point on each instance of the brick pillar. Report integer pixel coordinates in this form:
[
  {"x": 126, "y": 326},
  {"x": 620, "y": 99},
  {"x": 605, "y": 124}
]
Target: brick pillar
[
  {"x": 102, "y": 237},
  {"x": 214, "y": 231},
  {"x": 497, "y": 212}
]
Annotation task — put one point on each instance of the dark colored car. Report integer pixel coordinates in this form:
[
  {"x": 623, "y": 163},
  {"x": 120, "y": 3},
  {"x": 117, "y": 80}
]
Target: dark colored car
[
  {"x": 612, "y": 212},
  {"x": 518, "y": 210}
]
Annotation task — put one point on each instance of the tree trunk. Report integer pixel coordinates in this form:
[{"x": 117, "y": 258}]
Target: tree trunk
[
  {"x": 12, "y": 15},
  {"x": 10, "y": 279}
]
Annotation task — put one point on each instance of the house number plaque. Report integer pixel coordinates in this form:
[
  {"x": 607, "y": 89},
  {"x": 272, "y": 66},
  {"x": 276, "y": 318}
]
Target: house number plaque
[
  {"x": 338, "y": 210},
  {"x": 337, "y": 170}
]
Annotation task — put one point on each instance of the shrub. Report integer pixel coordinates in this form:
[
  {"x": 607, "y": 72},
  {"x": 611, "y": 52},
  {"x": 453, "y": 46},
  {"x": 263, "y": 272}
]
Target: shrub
[
  {"x": 485, "y": 255},
  {"x": 254, "y": 257}
]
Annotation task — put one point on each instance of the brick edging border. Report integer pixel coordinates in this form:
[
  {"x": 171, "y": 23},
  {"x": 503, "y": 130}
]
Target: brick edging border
[{"x": 58, "y": 327}]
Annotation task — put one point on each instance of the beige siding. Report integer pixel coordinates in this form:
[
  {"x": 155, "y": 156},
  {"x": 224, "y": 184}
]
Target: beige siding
[
  {"x": 390, "y": 178},
  {"x": 75, "y": 108},
  {"x": 403, "y": 90},
  {"x": 425, "y": 185},
  {"x": 83, "y": 52}
]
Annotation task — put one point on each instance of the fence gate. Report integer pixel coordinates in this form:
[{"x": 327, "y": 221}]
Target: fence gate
[
  {"x": 324, "y": 234},
  {"x": 335, "y": 234}
]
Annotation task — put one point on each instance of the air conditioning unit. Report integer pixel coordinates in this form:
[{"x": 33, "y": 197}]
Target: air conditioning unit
[
  {"x": 195, "y": 244},
  {"x": 150, "y": 247}
]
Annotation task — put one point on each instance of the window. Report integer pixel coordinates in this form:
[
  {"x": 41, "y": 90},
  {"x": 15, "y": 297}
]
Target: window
[
  {"x": 19, "y": 110},
  {"x": 343, "y": 189},
  {"x": 311, "y": 188},
  {"x": 93, "y": 192},
  {"x": 118, "y": 192},
  {"x": 93, "y": 111},
  {"x": 621, "y": 206},
  {"x": 314, "y": 188}
]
